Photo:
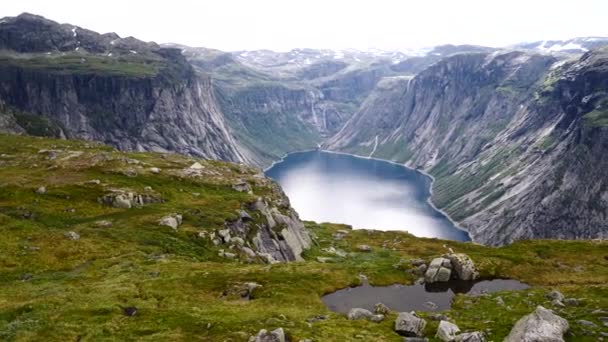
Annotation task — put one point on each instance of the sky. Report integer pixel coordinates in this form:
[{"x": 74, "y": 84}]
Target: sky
[{"x": 281, "y": 25}]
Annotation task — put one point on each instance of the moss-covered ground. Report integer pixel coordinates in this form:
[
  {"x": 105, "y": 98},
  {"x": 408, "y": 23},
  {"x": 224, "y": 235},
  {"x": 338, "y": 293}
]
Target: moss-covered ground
[{"x": 53, "y": 288}]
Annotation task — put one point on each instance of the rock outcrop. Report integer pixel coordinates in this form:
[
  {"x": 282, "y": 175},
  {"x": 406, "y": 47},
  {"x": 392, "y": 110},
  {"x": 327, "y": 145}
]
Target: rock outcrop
[
  {"x": 451, "y": 266},
  {"x": 541, "y": 325}
]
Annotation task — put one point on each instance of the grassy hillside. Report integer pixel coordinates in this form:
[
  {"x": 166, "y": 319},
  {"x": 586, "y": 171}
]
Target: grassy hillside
[{"x": 54, "y": 287}]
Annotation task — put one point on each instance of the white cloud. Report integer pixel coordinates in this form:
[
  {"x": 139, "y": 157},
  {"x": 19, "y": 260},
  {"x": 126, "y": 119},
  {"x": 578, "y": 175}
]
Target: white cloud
[{"x": 285, "y": 24}]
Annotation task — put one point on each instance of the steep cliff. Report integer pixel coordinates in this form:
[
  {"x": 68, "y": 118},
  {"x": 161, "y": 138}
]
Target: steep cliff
[
  {"x": 124, "y": 92},
  {"x": 507, "y": 137}
]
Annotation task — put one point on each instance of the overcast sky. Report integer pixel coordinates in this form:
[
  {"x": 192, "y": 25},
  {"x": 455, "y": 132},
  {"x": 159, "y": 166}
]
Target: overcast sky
[{"x": 285, "y": 24}]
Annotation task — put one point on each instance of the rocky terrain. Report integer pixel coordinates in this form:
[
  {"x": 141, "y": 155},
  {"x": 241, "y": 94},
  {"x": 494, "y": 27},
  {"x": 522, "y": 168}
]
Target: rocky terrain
[
  {"x": 100, "y": 244},
  {"x": 513, "y": 139}
]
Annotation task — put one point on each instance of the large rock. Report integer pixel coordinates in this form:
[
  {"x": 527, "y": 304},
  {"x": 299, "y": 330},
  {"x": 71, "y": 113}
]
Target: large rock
[
  {"x": 463, "y": 266},
  {"x": 438, "y": 271},
  {"x": 475, "y": 336},
  {"x": 127, "y": 199},
  {"x": 447, "y": 331},
  {"x": 277, "y": 335},
  {"x": 173, "y": 221},
  {"x": 542, "y": 325},
  {"x": 410, "y": 325}
]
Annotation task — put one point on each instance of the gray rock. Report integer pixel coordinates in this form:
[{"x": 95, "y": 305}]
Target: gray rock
[
  {"x": 415, "y": 339},
  {"x": 155, "y": 170},
  {"x": 417, "y": 262},
  {"x": 586, "y": 323},
  {"x": 540, "y": 325},
  {"x": 475, "y": 336},
  {"x": 173, "y": 221},
  {"x": 437, "y": 272},
  {"x": 225, "y": 235},
  {"x": 102, "y": 224},
  {"x": 571, "y": 302},
  {"x": 500, "y": 301},
  {"x": 364, "y": 248},
  {"x": 248, "y": 251},
  {"x": 324, "y": 260},
  {"x": 41, "y": 190},
  {"x": 557, "y": 303},
  {"x": 447, "y": 331},
  {"x": 241, "y": 186},
  {"x": 358, "y": 313},
  {"x": 72, "y": 235},
  {"x": 377, "y": 318},
  {"x": 277, "y": 335},
  {"x": 555, "y": 295},
  {"x": 409, "y": 325},
  {"x": 463, "y": 266},
  {"x": 196, "y": 166},
  {"x": 381, "y": 309},
  {"x": 237, "y": 241}
]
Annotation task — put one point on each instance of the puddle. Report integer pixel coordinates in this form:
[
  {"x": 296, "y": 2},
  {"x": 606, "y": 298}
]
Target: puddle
[{"x": 427, "y": 297}]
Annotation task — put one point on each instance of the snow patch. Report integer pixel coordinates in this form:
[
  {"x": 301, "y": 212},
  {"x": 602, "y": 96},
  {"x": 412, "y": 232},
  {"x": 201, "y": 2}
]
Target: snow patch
[{"x": 569, "y": 46}]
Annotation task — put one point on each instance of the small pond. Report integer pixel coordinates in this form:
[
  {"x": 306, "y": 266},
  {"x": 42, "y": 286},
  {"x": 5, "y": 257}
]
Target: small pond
[{"x": 427, "y": 297}]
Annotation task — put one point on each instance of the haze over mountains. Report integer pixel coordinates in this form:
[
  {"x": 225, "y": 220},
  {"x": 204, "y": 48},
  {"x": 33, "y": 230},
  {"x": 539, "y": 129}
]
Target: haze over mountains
[{"x": 515, "y": 137}]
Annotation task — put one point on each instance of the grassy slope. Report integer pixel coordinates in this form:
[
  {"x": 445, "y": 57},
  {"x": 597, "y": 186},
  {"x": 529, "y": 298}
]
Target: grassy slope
[{"x": 176, "y": 279}]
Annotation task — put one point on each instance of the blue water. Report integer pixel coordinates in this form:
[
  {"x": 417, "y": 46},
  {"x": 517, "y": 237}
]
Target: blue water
[{"x": 363, "y": 193}]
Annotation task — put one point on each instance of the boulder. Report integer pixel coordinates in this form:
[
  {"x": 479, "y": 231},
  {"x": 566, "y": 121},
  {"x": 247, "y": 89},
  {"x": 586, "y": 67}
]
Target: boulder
[
  {"x": 475, "y": 336},
  {"x": 173, "y": 221},
  {"x": 447, "y": 331},
  {"x": 225, "y": 235},
  {"x": 571, "y": 302},
  {"x": 358, "y": 313},
  {"x": 437, "y": 271},
  {"x": 541, "y": 325},
  {"x": 277, "y": 335},
  {"x": 462, "y": 266},
  {"x": 41, "y": 190},
  {"x": 196, "y": 166},
  {"x": 72, "y": 235},
  {"x": 409, "y": 325},
  {"x": 155, "y": 170}
]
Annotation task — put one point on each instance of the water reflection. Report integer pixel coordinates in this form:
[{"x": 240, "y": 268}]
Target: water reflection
[
  {"x": 428, "y": 297},
  {"x": 364, "y": 193}
]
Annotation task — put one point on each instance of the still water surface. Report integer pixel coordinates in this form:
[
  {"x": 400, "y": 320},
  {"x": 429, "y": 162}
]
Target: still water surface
[{"x": 364, "y": 193}]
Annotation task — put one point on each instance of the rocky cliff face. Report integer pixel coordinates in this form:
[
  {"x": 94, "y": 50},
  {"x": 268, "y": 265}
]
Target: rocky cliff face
[
  {"x": 127, "y": 93},
  {"x": 512, "y": 139}
]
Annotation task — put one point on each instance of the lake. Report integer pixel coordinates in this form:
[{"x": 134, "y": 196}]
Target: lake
[{"x": 361, "y": 192}]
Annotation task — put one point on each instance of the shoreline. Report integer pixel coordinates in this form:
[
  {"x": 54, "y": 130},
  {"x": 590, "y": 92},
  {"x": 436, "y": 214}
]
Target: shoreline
[{"x": 422, "y": 172}]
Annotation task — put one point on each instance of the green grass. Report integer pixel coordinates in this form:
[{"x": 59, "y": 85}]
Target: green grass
[
  {"x": 85, "y": 64},
  {"x": 596, "y": 118},
  {"x": 176, "y": 280}
]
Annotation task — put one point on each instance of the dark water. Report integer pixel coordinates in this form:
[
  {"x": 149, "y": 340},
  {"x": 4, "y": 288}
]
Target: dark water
[
  {"x": 363, "y": 193},
  {"x": 413, "y": 297}
]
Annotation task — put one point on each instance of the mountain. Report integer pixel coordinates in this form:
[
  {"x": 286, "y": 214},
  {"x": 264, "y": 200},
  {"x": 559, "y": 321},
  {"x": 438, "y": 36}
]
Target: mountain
[
  {"x": 515, "y": 141},
  {"x": 576, "y": 45},
  {"x": 125, "y": 92}
]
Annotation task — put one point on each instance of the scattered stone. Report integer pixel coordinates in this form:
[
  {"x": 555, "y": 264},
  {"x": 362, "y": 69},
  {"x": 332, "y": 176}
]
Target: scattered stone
[
  {"x": 475, "y": 336},
  {"x": 127, "y": 200},
  {"x": 225, "y": 235},
  {"x": 227, "y": 255},
  {"x": 415, "y": 339},
  {"x": 41, "y": 190},
  {"x": 438, "y": 317},
  {"x": 238, "y": 241},
  {"x": 409, "y": 325},
  {"x": 155, "y": 170},
  {"x": 147, "y": 188},
  {"x": 196, "y": 166},
  {"x": 421, "y": 269},
  {"x": 500, "y": 301},
  {"x": 364, "y": 248},
  {"x": 173, "y": 221},
  {"x": 338, "y": 236},
  {"x": 334, "y": 251},
  {"x": 417, "y": 262},
  {"x": 541, "y": 325},
  {"x": 557, "y": 303},
  {"x": 248, "y": 251},
  {"x": 241, "y": 186},
  {"x": 586, "y": 323},
  {"x": 572, "y": 302},
  {"x": 377, "y": 318},
  {"x": 381, "y": 309},
  {"x": 93, "y": 182},
  {"x": 447, "y": 331},
  {"x": 245, "y": 216},
  {"x": 129, "y": 311},
  {"x": 72, "y": 235},
  {"x": 102, "y": 224},
  {"x": 317, "y": 318},
  {"x": 277, "y": 335},
  {"x": 358, "y": 313},
  {"x": 553, "y": 295},
  {"x": 26, "y": 277},
  {"x": 463, "y": 266}
]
